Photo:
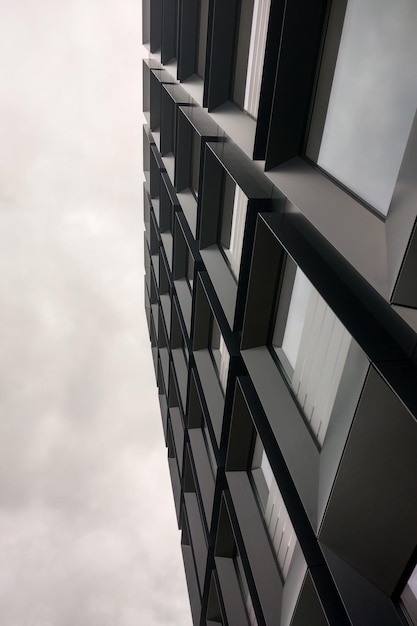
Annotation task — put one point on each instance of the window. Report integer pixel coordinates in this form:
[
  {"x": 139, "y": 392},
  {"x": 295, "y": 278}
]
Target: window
[
  {"x": 312, "y": 346},
  {"x": 184, "y": 350},
  {"x": 167, "y": 206},
  {"x": 189, "y": 268},
  {"x": 219, "y": 354},
  {"x": 242, "y": 51},
  {"x": 250, "y": 52},
  {"x": 202, "y": 39},
  {"x": 276, "y": 516},
  {"x": 195, "y": 162},
  {"x": 209, "y": 447},
  {"x": 214, "y": 613},
  {"x": 244, "y": 588},
  {"x": 179, "y": 351},
  {"x": 409, "y": 598},
  {"x": 363, "y": 112},
  {"x": 231, "y": 573},
  {"x": 169, "y": 30},
  {"x": 232, "y": 224},
  {"x": 192, "y": 42}
]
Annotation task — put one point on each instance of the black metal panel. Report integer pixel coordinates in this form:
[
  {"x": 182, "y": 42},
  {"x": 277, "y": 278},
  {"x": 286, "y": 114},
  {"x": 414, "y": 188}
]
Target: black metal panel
[
  {"x": 252, "y": 182},
  {"x": 164, "y": 412},
  {"x": 154, "y": 236},
  {"x": 355, "y": 272},
  {"x": 203, "y": 471},
  {"x": 308, "y": 609},
  {"x": 221, "y": 52},
  {"x": 156, "y": 168},
  {"x": 168, "y": 205},
  {"x": 169, "y": 30},
  {"x": 183, "y": 153},
  {"x": 220, "y": 159},
  {"x": 247, "y": 401},
  {"x": 176, "y": 484},
  {"x": 232, "y": 596},
  {"x": 154, "y": 289},
  {"x": 198, "y": 540},
  {"x": 181, "y": 373},
  {"x": 187, "y": 38},
  {"x": 405, "y": 292},
  {"x": 171, "y": 97},
  {"x": 155, "y": 24},
  {"x": 371, "y": 518},
  {"x": 268, "y": 78},
  {"x": 178, "y": 434},
  {"x": 263, "y": 566},
  {"x": 364, "y": 602},
  {"x": 192, "y": 123},
  {"x": 364, "y": 313},
  {"x": 298, "y": 55},
  {"x": 146, "y": 21},
  {"x": 266, "y": 260},
  {"x": 146, "y": 205},
  {"x": 193, "y": 591},
  {"x": 155, "y": 101},
  {"x": 146, "y": 90},
  {"x": 147, "y": 142}
]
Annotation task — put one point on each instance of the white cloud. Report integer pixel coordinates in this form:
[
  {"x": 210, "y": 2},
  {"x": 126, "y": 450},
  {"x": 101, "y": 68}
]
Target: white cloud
[{"x": 87, "y": 526}]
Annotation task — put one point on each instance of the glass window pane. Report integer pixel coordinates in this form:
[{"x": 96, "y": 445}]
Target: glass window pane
[
  {"x": 210, "y": 449},
  {"x": 232, "y": 226},
  {"x": 275, "y": 513},
  {"x": 266, "y": 470},
  {"x": 219, "y": 353},
  {"x": 242, "y": 51},
  {"x": 202, "y": 38},
  {"x": 259, "y": 31},
  {"x": 195, "y": 162},
  {"x": 227, "y": 211},
  {"x": 244, "y": 589},
  {"x": 313, "y": 350},
  {"x": 409, "y": 597},
  {"x": 189, "y": 267},
  {"x": 296, "y": 316},
  {"x": 373, "y": 98}
]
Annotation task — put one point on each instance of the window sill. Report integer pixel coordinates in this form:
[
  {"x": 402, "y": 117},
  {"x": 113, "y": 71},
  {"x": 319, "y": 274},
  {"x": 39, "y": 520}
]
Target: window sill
[
  {"x": 212, "y": 390},
  {"x": 354, "y": 231},
  {"x": 372, "y": 246},
  {"x": 188, "y": 204},
  {"x": 222, "y": 279},
  {"x": 240, "y": 127},
  {"x": 194, "y": 85}
]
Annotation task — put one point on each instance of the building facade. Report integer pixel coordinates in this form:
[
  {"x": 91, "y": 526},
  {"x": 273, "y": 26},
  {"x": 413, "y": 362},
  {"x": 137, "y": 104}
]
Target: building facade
[{"x": 280, "y": 206}]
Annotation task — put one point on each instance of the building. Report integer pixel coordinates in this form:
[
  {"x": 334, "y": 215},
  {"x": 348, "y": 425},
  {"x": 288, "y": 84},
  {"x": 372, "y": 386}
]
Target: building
[{"x": 280, "y": 205}]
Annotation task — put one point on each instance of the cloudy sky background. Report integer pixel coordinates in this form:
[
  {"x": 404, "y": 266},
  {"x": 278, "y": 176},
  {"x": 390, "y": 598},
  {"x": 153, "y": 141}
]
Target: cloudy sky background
[{"x": 87, "y": 527}]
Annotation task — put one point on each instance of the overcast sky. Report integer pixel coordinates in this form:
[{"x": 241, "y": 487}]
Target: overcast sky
[{"x": 88, "y": 534}]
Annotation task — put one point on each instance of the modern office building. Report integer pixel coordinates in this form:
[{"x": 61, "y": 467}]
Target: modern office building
[{"x": 280, "y": 205}]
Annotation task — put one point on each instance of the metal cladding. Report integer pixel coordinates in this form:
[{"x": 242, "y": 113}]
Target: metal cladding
[{"x": 282, "y": 318}]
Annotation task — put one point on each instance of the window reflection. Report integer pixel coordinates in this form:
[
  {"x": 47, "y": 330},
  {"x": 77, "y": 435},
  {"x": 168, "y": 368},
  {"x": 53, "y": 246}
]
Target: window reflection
[
  {"x": 189, "y": 268},
  {"x": 372, "y": 101},
  {"x": 276, "y": 516},
  {"x": 312, "y": 346},
  {"x": 250, "y": 53},
  {"x": 195, "y": 162},
  {"x": 232, "y": 224},
  {"x": 244, "y": 588},
  {"x": 409, "y": 597},
  {"x": 219, "y": 354}
]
